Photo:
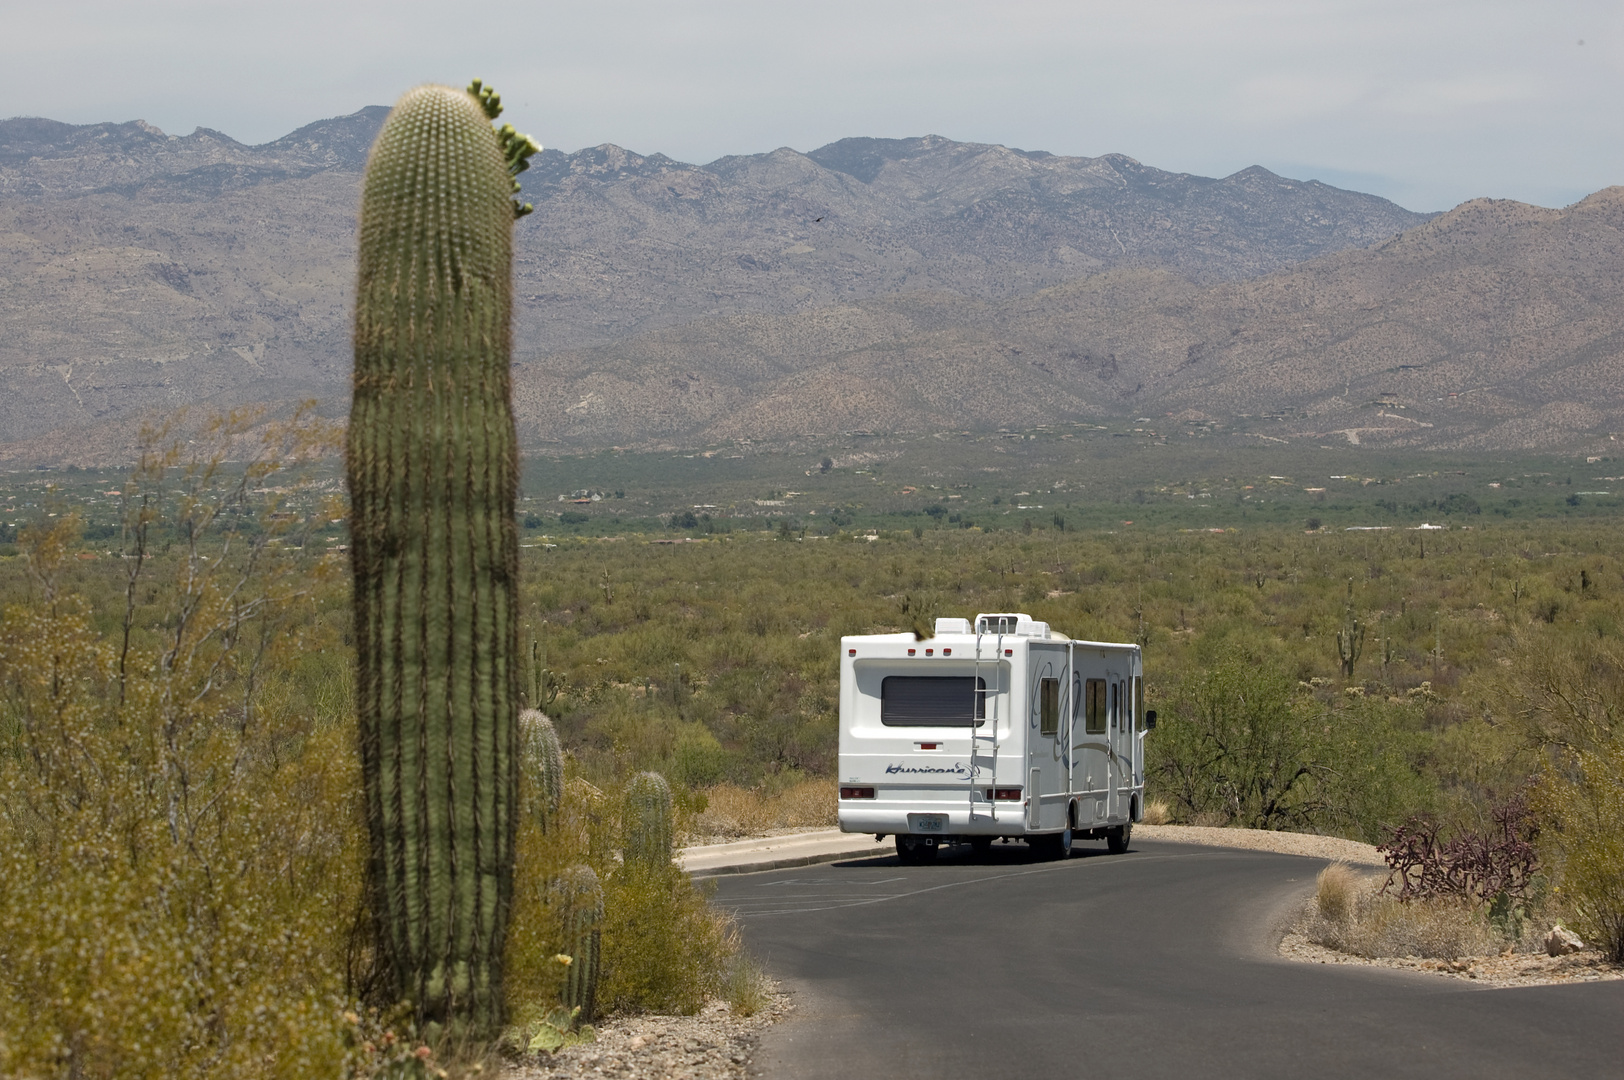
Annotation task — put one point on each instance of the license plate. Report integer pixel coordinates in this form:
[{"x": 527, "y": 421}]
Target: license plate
[{"x": 927, "y": 823}]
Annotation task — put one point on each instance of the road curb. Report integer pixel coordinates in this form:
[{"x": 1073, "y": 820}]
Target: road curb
[{"x": 786, "y": 861}]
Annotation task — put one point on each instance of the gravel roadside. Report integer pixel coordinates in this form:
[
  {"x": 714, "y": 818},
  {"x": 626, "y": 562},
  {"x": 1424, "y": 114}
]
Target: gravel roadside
[
  {"x": 713, "y": 1045},
  {"x": 1315, "y": 847}
]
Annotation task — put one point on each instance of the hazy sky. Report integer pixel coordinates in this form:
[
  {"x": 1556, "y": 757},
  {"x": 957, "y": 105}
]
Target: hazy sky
[{"x": 1428, "y": 102}]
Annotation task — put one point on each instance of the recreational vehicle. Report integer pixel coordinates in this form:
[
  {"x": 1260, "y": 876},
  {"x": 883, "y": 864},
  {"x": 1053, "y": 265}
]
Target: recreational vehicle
[{"x": 1001, "y": 728}]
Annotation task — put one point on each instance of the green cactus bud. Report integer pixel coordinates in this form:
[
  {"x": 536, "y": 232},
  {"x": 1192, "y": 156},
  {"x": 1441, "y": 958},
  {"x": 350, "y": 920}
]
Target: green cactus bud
[
  {"x": 433, "y": 474},
  {"x": 646, "y": 821},
  {"x": 577, "y": 902},
  {"x": 542, "y": 760}
]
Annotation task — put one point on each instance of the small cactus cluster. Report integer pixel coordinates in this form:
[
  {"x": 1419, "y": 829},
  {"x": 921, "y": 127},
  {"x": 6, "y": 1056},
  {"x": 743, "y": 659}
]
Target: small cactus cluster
[
  {"x": 646, "y": 822},
  {"x": 542, "y": 761},
  {"x": 577, "y": 899}
]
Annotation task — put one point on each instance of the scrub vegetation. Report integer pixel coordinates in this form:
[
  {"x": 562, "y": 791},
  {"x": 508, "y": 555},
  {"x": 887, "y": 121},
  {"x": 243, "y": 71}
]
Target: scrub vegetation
[{"x": 180, "y": 809}]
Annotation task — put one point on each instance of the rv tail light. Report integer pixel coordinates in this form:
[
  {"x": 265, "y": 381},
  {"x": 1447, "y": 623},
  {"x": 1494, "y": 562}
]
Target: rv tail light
[
  {"x": 1007, "y": 794},
  {"x": 856, "y": 793},
  {"x": 928, "y": 745},
  {"x": 851, "y": 652}
]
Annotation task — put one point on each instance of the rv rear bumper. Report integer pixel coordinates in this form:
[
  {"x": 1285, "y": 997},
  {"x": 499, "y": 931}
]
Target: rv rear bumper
[{"x": 919, "y": 820}]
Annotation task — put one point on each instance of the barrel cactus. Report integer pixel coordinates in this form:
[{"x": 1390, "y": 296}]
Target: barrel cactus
[
  {"x": 542, "y": 761},
  {"x": 646, "y": 821},
  {"x": 577, "y": 900},
  {"x": 433, "y": 469}
]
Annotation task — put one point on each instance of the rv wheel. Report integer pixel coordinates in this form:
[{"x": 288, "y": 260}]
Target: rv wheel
[{"x": 1116, "y": 840}]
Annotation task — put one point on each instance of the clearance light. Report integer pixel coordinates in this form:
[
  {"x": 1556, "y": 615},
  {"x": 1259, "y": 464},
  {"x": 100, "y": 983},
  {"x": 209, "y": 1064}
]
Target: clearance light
[
  {"x": 928, "y": 745},
  {"x": 856, "y": 793},
  {"x": 851, "y": 652},
  {"x": 930, "y": 652},
  {"x": 1009, "y": 652},
  {"x": 910, "y": 652},
  {"x": 1007, "y": 794},
  {"x": 947, "y": 652}
]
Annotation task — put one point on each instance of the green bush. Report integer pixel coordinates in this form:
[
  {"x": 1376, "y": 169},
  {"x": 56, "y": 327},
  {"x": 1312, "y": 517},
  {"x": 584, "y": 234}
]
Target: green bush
[
  {"x": 664, "y": 948},
  {"x": 1244, "y": 744},
  {"x": 1585, "y": 808}
]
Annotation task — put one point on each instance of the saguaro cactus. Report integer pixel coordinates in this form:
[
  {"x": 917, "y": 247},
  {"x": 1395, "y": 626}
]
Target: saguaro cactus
[
  {"x": 646, "y": 821},
  {"x": 578, "y": 900},
  {"x": 433, "y": 471},
  {"x": 542, "y": 761}
]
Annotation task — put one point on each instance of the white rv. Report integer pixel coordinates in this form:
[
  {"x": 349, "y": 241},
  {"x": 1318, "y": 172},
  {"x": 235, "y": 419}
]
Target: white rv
[{"x": 1002, "y": 728}]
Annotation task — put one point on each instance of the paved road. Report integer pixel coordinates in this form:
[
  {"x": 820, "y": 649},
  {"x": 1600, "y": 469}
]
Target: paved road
[{"x": 1150, "y": 964}]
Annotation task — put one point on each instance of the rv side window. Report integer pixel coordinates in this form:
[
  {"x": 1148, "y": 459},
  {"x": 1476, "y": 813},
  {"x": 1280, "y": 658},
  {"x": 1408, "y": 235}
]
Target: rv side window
[
  {"x": 1138, "y": 703},
  {"x": 1049, "y": 706},
  {"x": 1094, "y": 709},
  {"x": 1116, "y": 703},
  {"x": 932, "y": 701}
]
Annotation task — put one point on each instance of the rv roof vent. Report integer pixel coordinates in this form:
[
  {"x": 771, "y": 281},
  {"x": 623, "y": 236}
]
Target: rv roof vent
[
  {"x": 952, "y": 626},
  {"x": 1016, "y": 623}
]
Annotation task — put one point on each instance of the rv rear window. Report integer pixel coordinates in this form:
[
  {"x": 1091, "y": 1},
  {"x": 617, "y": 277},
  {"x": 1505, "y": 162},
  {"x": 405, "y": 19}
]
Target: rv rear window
[{"x": 932, "y": 701}]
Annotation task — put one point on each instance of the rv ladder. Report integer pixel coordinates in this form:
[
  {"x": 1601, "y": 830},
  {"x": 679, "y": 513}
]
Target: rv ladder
[{"x": 989, "y": 695}]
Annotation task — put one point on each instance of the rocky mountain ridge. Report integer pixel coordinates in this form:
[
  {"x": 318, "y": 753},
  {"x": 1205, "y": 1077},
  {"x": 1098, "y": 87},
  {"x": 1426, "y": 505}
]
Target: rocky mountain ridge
[
  {"x": 1494, "y": 326},
  {"x": 871, "y": 282}
]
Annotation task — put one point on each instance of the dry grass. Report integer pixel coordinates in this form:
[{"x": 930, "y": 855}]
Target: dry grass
[
  {"x": 1336, "y": 896},
  {"x": 1156, "y": 812},
  {"x": 1349, "y": 914},
  {"x": 733, "y": 811}
]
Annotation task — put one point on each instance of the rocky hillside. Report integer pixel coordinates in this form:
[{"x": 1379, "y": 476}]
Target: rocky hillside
[
  {"x": 1494, "y": 326},
  {"x": 141, "y": 271}
]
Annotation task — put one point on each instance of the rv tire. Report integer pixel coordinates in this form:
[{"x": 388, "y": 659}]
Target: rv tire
[
  {"x": 1117, "y": 839},
  {"x": 1051, "y": 845}
]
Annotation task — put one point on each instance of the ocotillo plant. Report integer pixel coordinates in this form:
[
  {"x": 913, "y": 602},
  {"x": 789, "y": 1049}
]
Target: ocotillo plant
[
  {"x": 646, "y": 821},
  {"x": 542, "y": 761},
  {"x": 577, "y": 898},
  {"x": 433, "y": 470}
]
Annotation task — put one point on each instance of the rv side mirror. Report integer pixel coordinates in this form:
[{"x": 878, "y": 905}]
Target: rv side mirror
[{"x": 1150, "y": 720}]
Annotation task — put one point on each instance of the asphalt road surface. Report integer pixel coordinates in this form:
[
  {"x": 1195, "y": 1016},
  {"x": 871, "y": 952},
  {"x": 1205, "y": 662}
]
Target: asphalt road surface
[{"x": 1159, "y": 962}]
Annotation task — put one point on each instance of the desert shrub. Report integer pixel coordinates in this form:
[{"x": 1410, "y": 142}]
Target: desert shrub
[
  {"x": 180, "y": 850},
  {"x": 1568, "y": 692},
  {"x": 1586, "y": 809},
  {"x": 1242, "y": 745},
  {"x": 665, "y": 949}
]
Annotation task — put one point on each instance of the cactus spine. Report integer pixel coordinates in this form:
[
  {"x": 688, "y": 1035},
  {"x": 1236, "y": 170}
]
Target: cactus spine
[
  {"x": 578, "y": 899},
  {"x": 542, "y": 760},
  {"x": 646, "y": 822},
  {"x": 433, "y": 469}
]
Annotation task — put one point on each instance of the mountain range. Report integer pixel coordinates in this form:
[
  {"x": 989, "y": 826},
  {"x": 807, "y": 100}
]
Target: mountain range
[{"x": 879, "y": 284}]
